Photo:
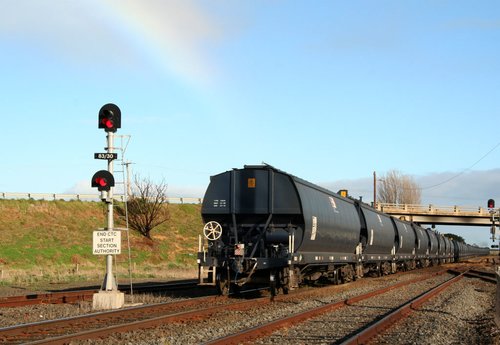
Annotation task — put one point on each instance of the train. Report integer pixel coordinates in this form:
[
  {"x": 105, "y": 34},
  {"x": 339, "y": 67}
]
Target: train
[{"x": 265, "y": 227}]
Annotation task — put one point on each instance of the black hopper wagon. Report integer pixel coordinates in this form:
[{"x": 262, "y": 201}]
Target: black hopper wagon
[{"x": 265, "y": 227}]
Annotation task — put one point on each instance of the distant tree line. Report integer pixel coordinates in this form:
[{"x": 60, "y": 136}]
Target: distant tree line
[{"x": 455, "y": 237}]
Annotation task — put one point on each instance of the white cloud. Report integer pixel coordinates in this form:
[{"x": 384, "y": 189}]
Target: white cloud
[
  {"x": 185, "y": 192},
  {"x": 471, "y": 188},
  {"x": 81, "y": 187}
]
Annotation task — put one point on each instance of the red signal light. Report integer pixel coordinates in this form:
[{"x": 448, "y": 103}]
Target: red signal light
[
  {"x": 108, "y": 123},
  {"x": 491, "y": 203},
  {"x": 103, "y": 180},
  {"x": 109, "y": 118}
]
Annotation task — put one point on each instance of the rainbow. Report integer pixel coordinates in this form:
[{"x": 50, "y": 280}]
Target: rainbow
[{"x": 170, "y": 34}]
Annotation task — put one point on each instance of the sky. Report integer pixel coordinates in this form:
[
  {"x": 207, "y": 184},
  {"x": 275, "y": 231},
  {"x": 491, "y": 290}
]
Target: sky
[{"x": 329, "y": 91}]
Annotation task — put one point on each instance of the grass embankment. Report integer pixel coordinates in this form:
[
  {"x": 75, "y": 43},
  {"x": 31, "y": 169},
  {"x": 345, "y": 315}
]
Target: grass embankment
[{"x": 52, "y": 241}]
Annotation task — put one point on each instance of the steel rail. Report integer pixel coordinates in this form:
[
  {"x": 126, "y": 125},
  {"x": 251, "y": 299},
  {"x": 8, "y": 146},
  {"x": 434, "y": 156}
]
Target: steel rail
[
  {"x": 47, "y": 298},
  {"x": 250, "y": 335},
  {"x": 50, "y": 329},
  {"x": 25, "y": 332},
  {"x": 192, "y": 315},
  {"x": 53, "y": 331},
  {"x": 396, "y": 315},
  {"x": 60, "y": 297},
  {"x": 489, "y": 277}
]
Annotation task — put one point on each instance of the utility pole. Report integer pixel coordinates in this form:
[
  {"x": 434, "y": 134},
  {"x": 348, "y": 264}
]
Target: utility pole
[
  {"x": 129, "y": 188},
  {"x": 374, "y": 189}
]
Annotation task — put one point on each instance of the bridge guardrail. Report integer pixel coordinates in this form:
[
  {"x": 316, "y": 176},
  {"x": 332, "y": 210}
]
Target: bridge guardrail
[
  {"x": 87, "y": 197},
  {"x": 432, "y": 209}
]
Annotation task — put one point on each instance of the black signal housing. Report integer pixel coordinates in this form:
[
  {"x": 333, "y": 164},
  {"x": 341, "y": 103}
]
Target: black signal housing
[
  {"x": 110, "y": 117},
  {"x": 103, "y": 180}
]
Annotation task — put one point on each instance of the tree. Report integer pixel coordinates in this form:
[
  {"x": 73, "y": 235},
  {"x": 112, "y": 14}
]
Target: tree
[
  {"x": 147, "y": 207},
  {"x": 397, "y": 188},
  {"x": 455, "y": 237}
]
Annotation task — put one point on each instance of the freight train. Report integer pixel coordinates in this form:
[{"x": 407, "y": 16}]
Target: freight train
[{"x": 266, "y": 227}]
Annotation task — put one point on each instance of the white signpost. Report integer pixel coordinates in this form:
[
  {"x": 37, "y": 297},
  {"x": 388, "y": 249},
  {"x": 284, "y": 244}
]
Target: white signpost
[{"x": 107, "y": 242}]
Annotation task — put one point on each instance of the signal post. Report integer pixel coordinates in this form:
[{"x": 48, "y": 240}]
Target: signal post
[{"x": 107, "y": 241}]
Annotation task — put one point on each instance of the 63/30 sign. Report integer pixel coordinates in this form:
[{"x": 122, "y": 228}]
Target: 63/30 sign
[{"x": 105, "y": 155}]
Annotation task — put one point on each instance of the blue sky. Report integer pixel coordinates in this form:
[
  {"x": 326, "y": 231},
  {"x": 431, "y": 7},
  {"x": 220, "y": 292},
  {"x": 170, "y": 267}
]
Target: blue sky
[{"x": 329, "y": 91}]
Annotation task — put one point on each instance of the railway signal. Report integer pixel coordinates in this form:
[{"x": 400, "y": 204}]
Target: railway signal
[
  {"x": 103, "y": 180},
  {"x": 110, "y": 117},
  {"x": 109, "y": 297},
  {"x": 491, "y": 203}
]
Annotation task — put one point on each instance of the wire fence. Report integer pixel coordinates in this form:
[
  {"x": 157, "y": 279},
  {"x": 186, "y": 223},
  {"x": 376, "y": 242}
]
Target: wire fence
[{"x": 87, "y": 197}]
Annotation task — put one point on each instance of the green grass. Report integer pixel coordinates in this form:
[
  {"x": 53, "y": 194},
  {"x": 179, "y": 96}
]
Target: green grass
[{"x": 56, "y": 236}]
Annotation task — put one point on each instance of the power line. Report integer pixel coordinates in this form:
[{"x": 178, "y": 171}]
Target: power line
[{"x": 463, "y": 171}]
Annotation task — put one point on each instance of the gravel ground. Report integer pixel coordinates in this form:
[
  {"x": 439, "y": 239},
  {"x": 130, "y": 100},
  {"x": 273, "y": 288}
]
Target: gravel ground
[
  {"x": 462, "y": 314},
  {"x": 233, "y": 321},
  {"x": 465, "y": 310},
  {"x": 335, "y": 326},
  {"x": 41, "y": 312}
]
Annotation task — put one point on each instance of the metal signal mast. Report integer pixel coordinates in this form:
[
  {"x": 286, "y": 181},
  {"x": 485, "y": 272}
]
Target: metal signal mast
[{"x": 108, "y": 241}]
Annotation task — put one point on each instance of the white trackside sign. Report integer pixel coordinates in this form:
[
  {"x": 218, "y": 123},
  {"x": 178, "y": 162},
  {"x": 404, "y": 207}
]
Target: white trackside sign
[{"x": 107, "y": 242}]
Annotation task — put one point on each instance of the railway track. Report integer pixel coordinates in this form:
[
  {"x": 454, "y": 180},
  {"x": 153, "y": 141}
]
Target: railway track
[
  {"x": 103, "y": 324},
  {"x": 87, "y": 294},
  {"x": 339, "y": 307},
  {"x": 484, "y": 275},
  {"x": 208, "y": 314},
  {"x": 46, "y": 298},
  {"x": 378, "y": 327},
  {"x": 353, "y": 321}
]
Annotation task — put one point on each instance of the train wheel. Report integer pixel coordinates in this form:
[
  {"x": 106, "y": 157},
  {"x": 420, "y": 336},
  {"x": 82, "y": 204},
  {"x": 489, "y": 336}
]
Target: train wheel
[
  {"x": 284, "y": 280},
  {"x": 272, "y": 284},
  {"x": 222, "y": 284}
]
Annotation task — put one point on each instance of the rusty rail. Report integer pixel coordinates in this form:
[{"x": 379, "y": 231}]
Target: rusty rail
[
  {"x": 97, "y": 325},
  {"x": 60, "y": 297},
  {"x": 396, "y": 315},
  {"x": 47, "y": 298},
  {"x": 250, "y": 335}
]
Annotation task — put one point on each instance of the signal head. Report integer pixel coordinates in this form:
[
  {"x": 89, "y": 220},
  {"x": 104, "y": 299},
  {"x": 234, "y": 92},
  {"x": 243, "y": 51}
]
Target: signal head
[
  {"x": 103, "y": 180},
  {"x": 491, "y": 203},
  {"x": 110, "y": 117}
]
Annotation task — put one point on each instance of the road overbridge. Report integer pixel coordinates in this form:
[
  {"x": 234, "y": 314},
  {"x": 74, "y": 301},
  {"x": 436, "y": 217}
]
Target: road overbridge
[{"x": 442, "y": 215}]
